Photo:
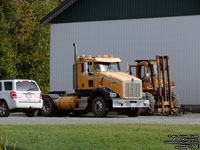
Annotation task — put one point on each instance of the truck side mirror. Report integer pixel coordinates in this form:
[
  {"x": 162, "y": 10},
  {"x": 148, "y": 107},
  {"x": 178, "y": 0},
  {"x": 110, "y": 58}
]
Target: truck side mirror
[{"x": 85, "y": 68}]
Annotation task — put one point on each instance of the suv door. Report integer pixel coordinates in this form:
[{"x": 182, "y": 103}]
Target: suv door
[{"x": 8, "y": 88}]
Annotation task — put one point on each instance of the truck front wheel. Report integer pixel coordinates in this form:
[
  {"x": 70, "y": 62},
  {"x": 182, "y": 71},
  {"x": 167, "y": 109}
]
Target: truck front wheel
[{"x": 99, "y": 107}]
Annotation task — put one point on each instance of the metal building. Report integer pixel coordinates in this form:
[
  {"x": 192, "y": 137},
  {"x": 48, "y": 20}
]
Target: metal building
[{"x": 129, "y": 29}]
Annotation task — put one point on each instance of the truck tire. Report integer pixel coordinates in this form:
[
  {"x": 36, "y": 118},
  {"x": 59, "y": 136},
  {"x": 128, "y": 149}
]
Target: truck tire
[
  {"x": 32, "y": 113},
  {"x": 49, "y": 107},
  {"x": 99, "y": 107},
  {"x": 152, "y": 101},
  {"x": 134, "y": 113},
  {"x": 4, "y": 110}
]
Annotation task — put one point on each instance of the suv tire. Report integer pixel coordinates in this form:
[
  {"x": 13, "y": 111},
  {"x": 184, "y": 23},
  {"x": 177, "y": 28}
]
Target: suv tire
[{"x": 4, "y": 110}]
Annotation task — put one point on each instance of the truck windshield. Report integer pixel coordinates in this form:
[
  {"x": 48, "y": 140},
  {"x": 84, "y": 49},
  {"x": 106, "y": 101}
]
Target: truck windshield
[{"x": 107, "y": 67}]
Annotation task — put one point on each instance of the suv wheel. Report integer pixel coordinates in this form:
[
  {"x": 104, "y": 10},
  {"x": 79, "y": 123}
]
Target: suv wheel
[{"x": 4, "y": 110}]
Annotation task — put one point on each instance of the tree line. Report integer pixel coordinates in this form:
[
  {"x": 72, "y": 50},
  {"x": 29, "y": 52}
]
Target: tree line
[{"x": 24, "y": 42}]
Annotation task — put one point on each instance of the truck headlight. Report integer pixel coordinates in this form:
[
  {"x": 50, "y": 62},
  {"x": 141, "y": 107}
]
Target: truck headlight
[{"x": 113, "y": 94}]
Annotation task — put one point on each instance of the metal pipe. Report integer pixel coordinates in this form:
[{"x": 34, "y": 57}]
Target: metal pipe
[
  {"x": 75, "y": 52},
  {"x": 75, "y": 79}
]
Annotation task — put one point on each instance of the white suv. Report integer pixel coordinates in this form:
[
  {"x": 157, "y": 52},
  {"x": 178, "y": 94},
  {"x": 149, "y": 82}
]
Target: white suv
[{"x": 20, "y": 96}]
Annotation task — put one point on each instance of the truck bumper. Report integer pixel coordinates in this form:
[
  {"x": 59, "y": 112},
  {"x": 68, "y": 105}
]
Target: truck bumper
[{"x": 120, "y": 103}]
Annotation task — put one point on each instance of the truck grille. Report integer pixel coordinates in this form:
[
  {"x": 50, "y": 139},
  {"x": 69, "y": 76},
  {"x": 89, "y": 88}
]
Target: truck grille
[{"x": 132, "y": 90}]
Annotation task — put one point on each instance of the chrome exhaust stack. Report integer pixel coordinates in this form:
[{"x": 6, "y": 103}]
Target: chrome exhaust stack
[
  {"x": 75, "y": 52},
  {"x": 75, "y": 85}
]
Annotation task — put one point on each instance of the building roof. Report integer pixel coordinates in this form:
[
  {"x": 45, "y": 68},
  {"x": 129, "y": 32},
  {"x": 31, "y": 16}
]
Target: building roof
[
  {"x": 100, "y": 10},
  {"x": 57, "y": 11}
]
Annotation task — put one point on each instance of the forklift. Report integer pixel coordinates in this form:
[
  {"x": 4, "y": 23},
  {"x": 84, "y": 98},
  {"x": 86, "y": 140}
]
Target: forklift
[{"x": 156, "y": 82}]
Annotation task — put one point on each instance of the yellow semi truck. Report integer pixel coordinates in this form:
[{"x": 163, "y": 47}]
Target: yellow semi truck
[{"x": 99, "y": 87}]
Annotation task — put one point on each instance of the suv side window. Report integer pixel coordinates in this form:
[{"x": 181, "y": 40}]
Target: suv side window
[
  {"x": 8, "y": 86},
  {"x": 0, "y": 86}
]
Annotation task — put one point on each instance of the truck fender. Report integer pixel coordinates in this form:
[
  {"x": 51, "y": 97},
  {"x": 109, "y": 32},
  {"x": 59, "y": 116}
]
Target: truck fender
[
  {"x": 54, "y": 97},
  {"x": 101, "y": 91}
]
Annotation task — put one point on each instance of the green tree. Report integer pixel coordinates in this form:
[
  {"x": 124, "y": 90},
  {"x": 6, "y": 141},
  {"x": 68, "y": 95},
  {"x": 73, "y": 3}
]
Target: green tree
[
  {"x": 24, "y": 42},
  {"x": 22, "y": 36},
  {"x": 7, "y": 55},
  {"x": 41, "y": 47}
]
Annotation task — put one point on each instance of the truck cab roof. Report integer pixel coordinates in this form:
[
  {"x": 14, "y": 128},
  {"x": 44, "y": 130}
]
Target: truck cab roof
[{"x": 107, "y": 59}]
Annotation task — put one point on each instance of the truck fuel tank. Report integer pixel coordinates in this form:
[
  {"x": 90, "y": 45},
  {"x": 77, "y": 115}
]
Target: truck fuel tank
[{"x": 67, "y": 102}]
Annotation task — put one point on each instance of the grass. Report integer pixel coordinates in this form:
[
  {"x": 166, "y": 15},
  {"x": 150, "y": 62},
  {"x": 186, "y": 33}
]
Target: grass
[{"x": 94, "y": 137}]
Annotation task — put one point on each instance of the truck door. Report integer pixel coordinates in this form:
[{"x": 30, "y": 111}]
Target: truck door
[
  {"x": 86, "y": 78},
  {"x": 90, "y": 75}
]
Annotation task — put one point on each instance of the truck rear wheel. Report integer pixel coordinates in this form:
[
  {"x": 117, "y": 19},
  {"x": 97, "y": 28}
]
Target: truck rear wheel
[
  {"x": 4, "y": 110},
  {"x": 99, "y": 107},
  {"x": 49, "y": 107}
]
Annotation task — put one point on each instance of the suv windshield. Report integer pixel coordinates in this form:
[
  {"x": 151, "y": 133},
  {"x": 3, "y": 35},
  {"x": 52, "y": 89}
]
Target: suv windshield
[
  {"x": 26, "y": 86},
  {"x": 107, "y": 67}
]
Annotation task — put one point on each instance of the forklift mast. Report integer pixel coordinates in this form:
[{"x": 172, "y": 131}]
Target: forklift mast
[{"x": 163, "y": 70}]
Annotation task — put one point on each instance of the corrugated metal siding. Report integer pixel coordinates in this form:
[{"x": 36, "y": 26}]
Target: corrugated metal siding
[{"x": 179, "y": 37}]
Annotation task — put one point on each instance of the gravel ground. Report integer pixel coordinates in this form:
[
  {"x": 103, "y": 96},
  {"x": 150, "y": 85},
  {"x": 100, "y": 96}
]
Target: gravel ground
[{"x": 186, "y": 119}]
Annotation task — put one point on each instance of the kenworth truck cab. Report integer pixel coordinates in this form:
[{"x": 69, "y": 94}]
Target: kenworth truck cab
[{"x": 99, "y": 87}]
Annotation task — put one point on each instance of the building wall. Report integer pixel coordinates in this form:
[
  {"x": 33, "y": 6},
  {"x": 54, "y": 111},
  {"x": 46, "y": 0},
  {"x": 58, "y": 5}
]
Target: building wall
[{"x": 178, "y": 37}]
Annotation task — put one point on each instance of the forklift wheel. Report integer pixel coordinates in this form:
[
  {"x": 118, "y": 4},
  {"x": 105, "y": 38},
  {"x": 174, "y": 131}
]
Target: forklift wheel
[{"x": 151, "y": 99}]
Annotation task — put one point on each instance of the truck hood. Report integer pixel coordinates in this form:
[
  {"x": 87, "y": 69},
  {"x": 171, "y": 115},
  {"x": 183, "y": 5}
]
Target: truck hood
[{"x": 118, "y": 76}]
